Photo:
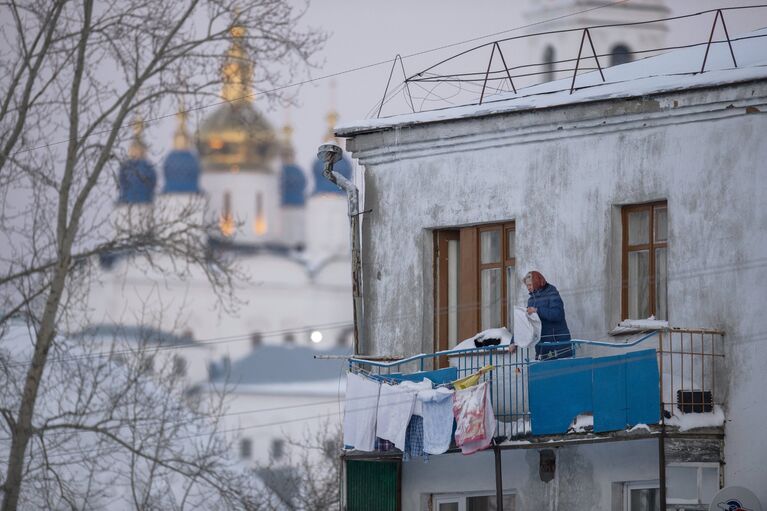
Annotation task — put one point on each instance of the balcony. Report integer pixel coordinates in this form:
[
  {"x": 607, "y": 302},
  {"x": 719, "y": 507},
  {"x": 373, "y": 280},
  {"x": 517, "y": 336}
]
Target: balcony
[{"x": 665, "y": 380}]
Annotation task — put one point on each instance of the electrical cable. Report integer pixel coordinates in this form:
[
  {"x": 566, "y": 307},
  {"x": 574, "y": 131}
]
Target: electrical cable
[{"x": 363, "y": 67}]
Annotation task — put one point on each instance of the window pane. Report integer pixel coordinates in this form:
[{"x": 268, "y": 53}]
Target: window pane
[
  {"x": 511, "y": 297},
  {"x": 488, "y": 503},
  {"x": 491, "y": 298},
  {"x": 682, "y": 483},
  {"x": 661, "y": 224},
  {"x": 637, "y": 281},
  {"x": 639, "y": 227},
  {"x": 709, "y": 484},
  {"x": 452, "y": 293},
  {"x": 490, "y": 246},
  {"x": 646, "y": 499},
  {"x": 511, "y": 244},
  {"x": 448, "y": 506},
  {"x": 661, "y": 278}
]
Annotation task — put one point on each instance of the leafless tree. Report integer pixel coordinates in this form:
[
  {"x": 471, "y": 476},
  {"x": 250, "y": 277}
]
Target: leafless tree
[
  {"x": 117, "y": 428},
  {"x": 75, "y": 73},
  {"x": 308, "y": 477}
]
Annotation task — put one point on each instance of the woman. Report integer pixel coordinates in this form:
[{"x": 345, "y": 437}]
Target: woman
[{"x": 545, "y": 300}]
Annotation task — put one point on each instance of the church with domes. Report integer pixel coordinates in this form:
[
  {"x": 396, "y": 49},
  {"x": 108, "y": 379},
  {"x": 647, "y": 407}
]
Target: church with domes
[{"x": 287, "y": 231}]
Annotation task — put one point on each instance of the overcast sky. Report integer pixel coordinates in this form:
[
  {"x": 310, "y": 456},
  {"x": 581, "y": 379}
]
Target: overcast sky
[{"x": 369, "y": 31}]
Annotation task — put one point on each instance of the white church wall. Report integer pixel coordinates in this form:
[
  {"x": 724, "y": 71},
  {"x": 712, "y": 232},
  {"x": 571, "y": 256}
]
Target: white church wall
[
  {"x": 249, "y": 192},
  {"x": 325, "y": 214}
]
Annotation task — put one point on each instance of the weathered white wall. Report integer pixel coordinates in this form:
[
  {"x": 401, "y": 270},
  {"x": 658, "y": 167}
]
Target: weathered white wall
[
  {"x": 562, "y": 174},
  {"x": 583, "y": 476}
]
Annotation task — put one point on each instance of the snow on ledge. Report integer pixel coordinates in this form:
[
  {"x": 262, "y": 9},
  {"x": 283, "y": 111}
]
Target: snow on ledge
[
  {"x": 688, "y": 421},
  {"x": 643, "y": 324}
]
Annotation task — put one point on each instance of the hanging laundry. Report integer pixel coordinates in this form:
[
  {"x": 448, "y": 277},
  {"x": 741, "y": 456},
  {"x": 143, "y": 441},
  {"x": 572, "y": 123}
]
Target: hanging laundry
[
  {"x": 414, "y": 438},
  {"x": 395, "y": 407},
  {"x": 472, "y": 379},
  {"x": 437, "y": 407},
  {"x": 475, "y": 421},
  {"x": 383, "y": 445},
  {"x": 360, "y": 408}
]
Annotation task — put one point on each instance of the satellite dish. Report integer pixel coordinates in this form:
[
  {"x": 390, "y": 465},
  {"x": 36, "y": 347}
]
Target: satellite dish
[{"x": 735, "y": 498}]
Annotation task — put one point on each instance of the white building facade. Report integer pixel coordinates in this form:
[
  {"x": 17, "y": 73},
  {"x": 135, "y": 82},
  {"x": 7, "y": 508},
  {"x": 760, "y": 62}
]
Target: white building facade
[{"x": 640, "y": 196}]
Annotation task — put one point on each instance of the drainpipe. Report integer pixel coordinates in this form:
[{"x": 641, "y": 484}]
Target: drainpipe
[{"x": 330, "y": 154}]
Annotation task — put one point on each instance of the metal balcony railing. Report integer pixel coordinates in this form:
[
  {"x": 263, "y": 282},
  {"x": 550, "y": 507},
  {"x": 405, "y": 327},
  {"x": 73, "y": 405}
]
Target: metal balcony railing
[{"x": 690, "y": 363}]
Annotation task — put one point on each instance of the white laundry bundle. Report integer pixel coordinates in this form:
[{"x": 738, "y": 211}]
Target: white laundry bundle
[{"x": 527, "y": 328}]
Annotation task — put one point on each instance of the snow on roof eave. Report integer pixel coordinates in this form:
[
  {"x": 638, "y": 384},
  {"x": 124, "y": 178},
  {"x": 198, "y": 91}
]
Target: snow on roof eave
[{"x": 673, "y": 71}]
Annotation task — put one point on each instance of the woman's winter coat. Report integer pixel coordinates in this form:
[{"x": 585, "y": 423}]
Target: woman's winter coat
[{"x": 551, "y": 310}]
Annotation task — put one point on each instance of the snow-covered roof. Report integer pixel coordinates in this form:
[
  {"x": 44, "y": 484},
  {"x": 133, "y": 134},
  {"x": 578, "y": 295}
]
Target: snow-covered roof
[
  {"x": 286, "y": 365},
  {"x": 672, "y": 71}
]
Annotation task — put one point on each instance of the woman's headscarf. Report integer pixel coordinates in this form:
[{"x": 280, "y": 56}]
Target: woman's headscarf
[{"x": 539, "y": 282}]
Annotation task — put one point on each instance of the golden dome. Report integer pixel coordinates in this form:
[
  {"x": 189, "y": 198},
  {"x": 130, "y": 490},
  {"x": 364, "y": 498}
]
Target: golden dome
[{"x": 236, "y": 136}]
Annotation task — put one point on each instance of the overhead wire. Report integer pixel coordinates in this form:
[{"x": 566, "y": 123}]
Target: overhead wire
[
  {"x": 566, "y": 292},
  {"x": 151, "y": 120}
]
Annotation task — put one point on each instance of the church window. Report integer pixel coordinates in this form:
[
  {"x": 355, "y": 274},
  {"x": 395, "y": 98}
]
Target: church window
[
  {"x": 277, "y": 448},
  {"x": 259, "y": 222},
  {"x": 620, "y": 54},
  {"x": 179, "y": 365},
  {"x": 226, "y": 222},
  {"x": 549, "y": 55},
  {"x": 246, "y": 448}
]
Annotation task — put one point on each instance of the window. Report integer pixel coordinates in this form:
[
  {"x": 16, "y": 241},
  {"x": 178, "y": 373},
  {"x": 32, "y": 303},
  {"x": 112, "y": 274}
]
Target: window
[
  {"x": 246, "y": 448},
  {"x": 549, "y": 55},
  {"x": 277, "y": 450},
  {"x": 259, "y": 220},
  {"x": 475, "y": 281},
  {"x": 642, "y": 496},
  {"x": 472, "y": 502},
  {"x": 644, "y": 261},
  {"x": 226, "y": 221},
  {"x": 692, "y": 483},
  {"x": 620, "y": 54},
  {"x": 687, "y": 484},
  {"x": 179, "y": 365}
]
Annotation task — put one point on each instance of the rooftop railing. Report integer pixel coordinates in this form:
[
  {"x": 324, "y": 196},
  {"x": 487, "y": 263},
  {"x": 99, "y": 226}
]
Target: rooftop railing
[{"x": 501, "y": 67}]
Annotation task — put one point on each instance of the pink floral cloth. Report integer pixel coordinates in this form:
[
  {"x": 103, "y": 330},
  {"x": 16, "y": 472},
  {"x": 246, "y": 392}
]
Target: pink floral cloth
[{"x": 475, "y": 420}]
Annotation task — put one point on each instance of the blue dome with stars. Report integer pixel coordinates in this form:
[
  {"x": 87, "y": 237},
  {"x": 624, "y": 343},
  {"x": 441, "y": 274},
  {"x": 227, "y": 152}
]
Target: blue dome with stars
[
  {"x": 322, "y": 184},
  {"x": 293, "y": 185},
  {"x": 182, "y": 172},
  {"x": 137, "y": 180}
]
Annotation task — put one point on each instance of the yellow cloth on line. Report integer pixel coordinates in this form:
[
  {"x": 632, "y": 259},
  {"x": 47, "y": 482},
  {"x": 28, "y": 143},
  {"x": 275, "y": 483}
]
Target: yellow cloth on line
[{"x": 472, "y": 379}]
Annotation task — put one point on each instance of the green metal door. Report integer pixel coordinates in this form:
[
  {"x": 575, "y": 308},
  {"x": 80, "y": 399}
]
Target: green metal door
[{"x": 372, "y": 485}]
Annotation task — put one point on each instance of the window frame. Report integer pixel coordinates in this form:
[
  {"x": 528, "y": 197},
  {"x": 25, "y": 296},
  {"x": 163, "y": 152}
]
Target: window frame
[
  {"x": 637, "y": 485},
  {"x": 469, "y": 306},
  {"x": 651, "y": 246},
  {"x": 461, "y": 498},
  {"x": 698, "y": 466}
]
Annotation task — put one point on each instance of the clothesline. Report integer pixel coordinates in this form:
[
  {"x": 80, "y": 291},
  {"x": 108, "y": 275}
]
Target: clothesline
[{"x": 419, "y": 416}]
